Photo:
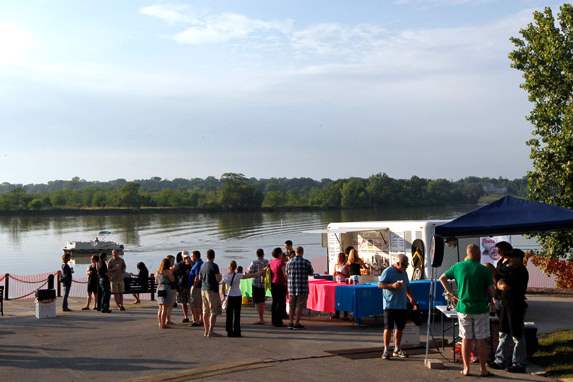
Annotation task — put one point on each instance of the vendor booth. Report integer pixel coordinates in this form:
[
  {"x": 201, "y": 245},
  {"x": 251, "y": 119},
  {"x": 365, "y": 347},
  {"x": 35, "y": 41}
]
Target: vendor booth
[
  {"x": 505, "y": 216},
  {"x": 379, "y": 242}
]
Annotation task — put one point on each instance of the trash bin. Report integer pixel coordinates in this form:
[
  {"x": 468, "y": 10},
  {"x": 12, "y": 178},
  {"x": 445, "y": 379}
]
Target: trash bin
[{"x": 45, "y": 303}]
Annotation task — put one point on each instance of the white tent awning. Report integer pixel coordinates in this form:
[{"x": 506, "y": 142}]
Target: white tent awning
[{"x": 346, "y": 230}]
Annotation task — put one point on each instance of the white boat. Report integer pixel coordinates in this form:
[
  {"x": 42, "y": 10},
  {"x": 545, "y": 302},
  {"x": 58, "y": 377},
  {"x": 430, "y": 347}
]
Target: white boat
[{"x": 92, "y": 247}]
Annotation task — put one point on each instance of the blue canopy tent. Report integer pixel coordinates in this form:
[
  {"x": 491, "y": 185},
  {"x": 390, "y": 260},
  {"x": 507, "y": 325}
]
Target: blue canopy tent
[{"x": 507, "y": 216}]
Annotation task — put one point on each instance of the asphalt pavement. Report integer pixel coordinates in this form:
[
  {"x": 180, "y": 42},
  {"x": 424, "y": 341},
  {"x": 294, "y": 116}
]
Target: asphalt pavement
[{"x": 128, "y": 346}]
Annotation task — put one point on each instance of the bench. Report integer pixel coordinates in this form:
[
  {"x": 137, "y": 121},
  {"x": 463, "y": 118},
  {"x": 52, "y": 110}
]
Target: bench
[
  {"x": 132, "y": 286},
  {"x": 2, "y": 300}
]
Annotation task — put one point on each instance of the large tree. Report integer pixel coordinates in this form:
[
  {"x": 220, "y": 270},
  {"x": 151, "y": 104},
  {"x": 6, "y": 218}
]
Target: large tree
[{"x": 544, "y": 53}]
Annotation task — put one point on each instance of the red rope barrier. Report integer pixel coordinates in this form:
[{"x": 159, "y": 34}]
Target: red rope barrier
[
  {"x": 29, "y": 294},
  {"x": 27, "y": 282}
]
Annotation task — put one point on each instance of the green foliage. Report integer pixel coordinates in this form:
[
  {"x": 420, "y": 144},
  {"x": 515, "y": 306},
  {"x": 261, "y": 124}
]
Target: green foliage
[
  {"x": 129, "y": 195},
  {"x": 235, "y": 191},
  {"x": 544, "y": 54},
  {"x": 238, "y": 192},
  {"x": 354, "y": 194}
]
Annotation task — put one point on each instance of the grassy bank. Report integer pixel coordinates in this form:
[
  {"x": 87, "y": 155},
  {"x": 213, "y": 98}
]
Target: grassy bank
[{"x": 555, "y": 354}]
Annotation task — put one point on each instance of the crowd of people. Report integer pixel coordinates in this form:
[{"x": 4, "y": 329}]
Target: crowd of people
[
  {"x": 104, "y": 278},
  {"x": 203, "y": 289},
  {"x": 483, "y": 291}
]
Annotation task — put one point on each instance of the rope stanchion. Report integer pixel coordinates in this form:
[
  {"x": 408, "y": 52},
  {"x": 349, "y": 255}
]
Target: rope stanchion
[
  {"x": 22, "y": 287},
  {"x": 26, "y": 282},
  {"x": 29, "y": 294}
]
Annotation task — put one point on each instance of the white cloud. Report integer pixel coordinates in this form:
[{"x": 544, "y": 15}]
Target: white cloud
[
  {"x": 438, "y": 3},
  {"x": 227, "y": 27},
  {"x": 214, "y": 28},
  {"x": 337, "y": 39},
  {"x": 168, "y": 14}
]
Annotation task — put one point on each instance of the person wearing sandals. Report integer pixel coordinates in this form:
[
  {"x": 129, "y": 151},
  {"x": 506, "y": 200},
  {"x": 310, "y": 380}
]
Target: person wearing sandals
[
  {"x": 165, "y": 294},
  {"x": 91, "y": 272},
  {"x": 210, "y": 279},
  {"x": 395, "y": 292},
  {"x": 196, "y": 300},
  {"x": 475, "y": 293},
  {"x": 298, "y": 271}
]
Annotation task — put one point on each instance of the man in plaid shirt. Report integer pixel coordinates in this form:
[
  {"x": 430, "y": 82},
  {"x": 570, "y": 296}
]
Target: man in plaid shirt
[{"x": 298, "y": 270}]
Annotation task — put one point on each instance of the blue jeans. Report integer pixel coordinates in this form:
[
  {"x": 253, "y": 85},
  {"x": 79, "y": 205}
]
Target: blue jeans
[
  {"x": 519, "y": 356},
  {"x": 66, "y": 295},
  {"x": 105, "y": 295}
]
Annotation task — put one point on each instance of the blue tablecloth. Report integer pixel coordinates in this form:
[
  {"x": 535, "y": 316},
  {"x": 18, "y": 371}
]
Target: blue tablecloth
[
  {"x": 366, "y": 299},
  {"x": 421, "y": 290}
]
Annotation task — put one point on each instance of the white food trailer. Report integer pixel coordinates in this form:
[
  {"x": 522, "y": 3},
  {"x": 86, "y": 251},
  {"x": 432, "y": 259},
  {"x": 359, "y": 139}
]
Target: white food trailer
[{"x": 378, "y": 242}]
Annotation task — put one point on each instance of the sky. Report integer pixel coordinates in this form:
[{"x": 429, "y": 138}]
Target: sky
[{"x": 325, "y": 88}]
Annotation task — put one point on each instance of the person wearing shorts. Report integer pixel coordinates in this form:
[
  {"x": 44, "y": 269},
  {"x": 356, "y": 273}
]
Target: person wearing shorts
[
  {"x": 195, "y": 299},
  {"x": 475, "y": 293},
  {"x": 259, "y": 291},
  {"x": 297, "y": 302},
  {"x": 298, "y": 269},
  {"x": 116, "y": 268},
  {"x": 396, "y": 293},
  {"x": 181, "y": 272},
  {"x": 211, "y": 302},
  {"x": 210, "y": 279}
]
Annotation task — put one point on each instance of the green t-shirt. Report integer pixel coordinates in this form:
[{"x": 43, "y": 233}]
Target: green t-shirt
[{"x": 473, "y": 281}]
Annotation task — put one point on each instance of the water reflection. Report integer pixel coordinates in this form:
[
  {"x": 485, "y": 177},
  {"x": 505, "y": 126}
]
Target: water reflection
[{"x": 34, "y": 244}]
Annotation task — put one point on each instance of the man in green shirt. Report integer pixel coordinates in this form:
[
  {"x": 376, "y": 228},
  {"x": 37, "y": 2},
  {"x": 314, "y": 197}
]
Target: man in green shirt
[{"x": 475, "y": 292}]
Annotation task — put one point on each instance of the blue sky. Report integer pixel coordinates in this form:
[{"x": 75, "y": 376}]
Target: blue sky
[{"x": 135, "y": 89}]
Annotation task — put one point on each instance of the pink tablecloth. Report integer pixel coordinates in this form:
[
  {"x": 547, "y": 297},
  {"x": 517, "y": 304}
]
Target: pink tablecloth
[{"x": 322, "y": 295}]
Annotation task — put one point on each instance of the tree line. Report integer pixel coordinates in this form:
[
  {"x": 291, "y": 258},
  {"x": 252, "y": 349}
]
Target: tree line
[{"x": 236, "y": 192}]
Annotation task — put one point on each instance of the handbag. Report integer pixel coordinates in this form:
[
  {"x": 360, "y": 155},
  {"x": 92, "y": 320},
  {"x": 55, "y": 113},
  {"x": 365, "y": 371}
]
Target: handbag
[
  {"x": 226, "y": 299},
  {"x": 162, "y": 293}
]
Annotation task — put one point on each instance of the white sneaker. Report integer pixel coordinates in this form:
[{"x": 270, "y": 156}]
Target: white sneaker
[
  {"x": 386, "y": 354},
  {"x": 399, "y": 353}
]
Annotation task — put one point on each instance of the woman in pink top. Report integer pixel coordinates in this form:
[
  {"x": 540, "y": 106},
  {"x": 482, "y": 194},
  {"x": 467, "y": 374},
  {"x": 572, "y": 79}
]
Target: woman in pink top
[{"x": 278, "y": 287}]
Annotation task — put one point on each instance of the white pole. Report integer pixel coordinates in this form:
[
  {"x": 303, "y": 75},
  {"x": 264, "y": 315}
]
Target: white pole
[{"x": 429, "y": 323}]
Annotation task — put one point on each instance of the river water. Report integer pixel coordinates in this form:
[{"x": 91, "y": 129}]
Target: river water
[{"x": 30, "y": 245}]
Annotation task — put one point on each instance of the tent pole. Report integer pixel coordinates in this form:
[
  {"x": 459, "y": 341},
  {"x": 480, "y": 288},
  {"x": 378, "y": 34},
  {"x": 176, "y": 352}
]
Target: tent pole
[{"x": 429, "y": 323}]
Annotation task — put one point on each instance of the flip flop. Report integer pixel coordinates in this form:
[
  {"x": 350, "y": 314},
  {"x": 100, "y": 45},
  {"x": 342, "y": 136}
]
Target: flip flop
[{"x": 464, "y": 374}]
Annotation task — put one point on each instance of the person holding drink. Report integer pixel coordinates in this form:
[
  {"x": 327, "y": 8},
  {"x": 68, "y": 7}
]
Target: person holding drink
[{"x": 395, "y": 284}]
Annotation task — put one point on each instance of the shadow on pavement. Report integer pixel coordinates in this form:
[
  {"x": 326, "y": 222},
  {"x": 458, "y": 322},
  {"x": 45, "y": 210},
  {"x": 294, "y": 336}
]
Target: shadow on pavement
[{"x": 36, "y": 361}]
